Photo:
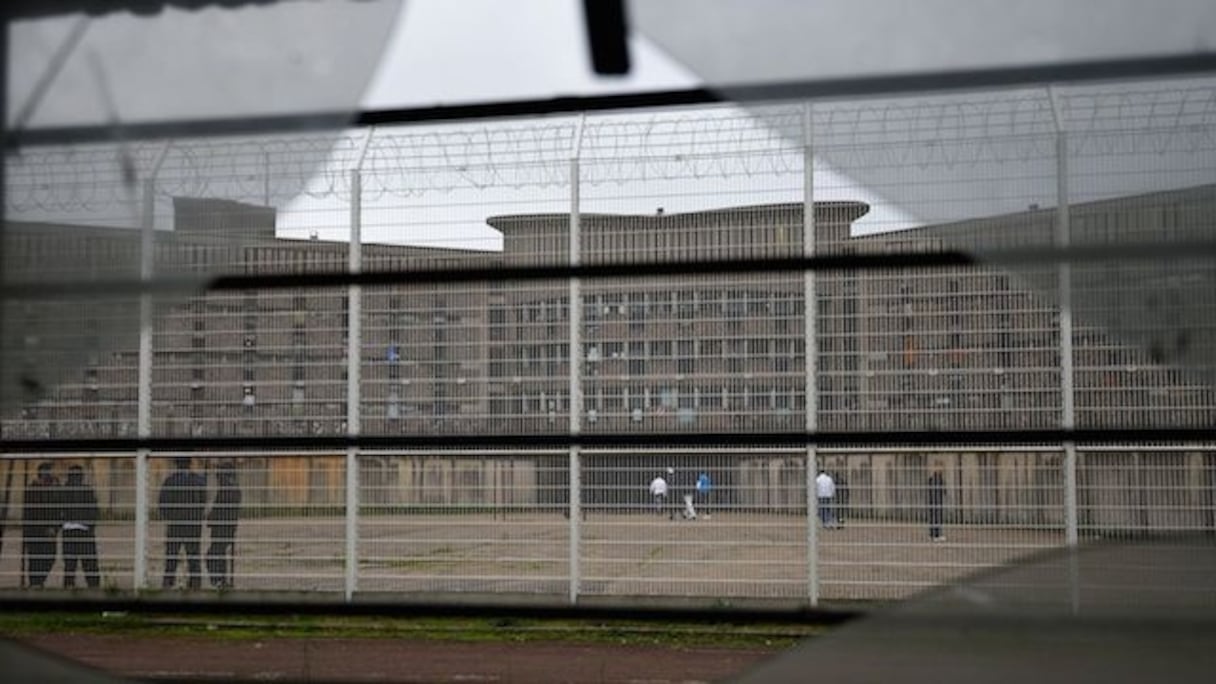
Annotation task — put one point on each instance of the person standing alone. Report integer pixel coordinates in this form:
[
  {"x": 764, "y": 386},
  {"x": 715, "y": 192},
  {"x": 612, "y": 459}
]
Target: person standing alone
[
  {"x": 936, "y": 499},
  {"x": 182, "y": 502},
  {"x": 841, "y": 508},
  {"x": 658, "y": 492},
  {"x": 825, "y": 490},
  {"x": 79, "y": 538}
]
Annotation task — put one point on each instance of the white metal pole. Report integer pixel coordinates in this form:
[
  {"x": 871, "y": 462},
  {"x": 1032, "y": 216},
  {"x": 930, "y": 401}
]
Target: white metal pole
[
  {"x": 143, "y": 425},
  {"x": 1063, "y": 239},
  {"x": 141, "y": 520},
  {"x": 1071, "y": 523},
  {"x": 143, "y": 420},
  {"x": 576, "y": 486},
  {"x": 353, "y": 366},
  {"x": 354, "y": 297},
  {"x": 575, "y": 365},
  {"x": 351, "y": 583},
  {"x": 1068, "y": 418},
  {"x": 810, "y": 313}
]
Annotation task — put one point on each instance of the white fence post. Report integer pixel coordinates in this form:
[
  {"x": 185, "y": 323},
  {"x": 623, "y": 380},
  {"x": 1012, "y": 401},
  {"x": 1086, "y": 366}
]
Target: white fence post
[
  {"x": 576, "y": 508},
  {"x": 575, "y": 320},
  {"x": 1063, "y": 238},
  {"x": 1068, "y": 419},
  {"x": 810, "y": 312},
  {"x": 141, "y": 520},
  {"x": 353, "y": 374},
  {"x": 143, "y": 421}
]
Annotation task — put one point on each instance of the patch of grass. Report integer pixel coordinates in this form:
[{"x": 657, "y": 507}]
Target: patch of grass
[{"x": 674, "y": 634}]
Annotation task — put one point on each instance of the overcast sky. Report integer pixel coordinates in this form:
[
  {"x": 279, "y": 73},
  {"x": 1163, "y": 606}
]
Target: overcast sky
[
  {"x": 449, "y": 51},
  {"x": 284, "y": 56},
  {"x": 445, "y": 52}
]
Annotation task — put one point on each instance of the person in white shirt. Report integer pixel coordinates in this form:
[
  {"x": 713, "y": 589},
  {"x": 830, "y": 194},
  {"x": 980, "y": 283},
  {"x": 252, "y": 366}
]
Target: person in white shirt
[
  {"x": 825, "y": 490},
  {"x": 658, "y": 492}
]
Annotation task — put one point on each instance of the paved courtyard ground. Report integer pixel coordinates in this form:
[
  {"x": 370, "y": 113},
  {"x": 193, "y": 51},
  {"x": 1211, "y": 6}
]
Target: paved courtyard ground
[{"x": 728, "y": 556}]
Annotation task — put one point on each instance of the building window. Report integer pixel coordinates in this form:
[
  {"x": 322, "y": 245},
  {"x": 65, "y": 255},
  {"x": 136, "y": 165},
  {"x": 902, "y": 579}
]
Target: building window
[
  {"x": 637, "y": 312},
  {"x": 687, "y": 307},
  {"x": 614, "y": 350},
  {"x": 498, "y": 364},
  {"x": 736, "y": 350},
  {"x": 591, "y": 308},
  {"x": 685, "y": 356},
  {"x": 662, "y": 305},
  {"x": 711, "y": 304},
  {"x": 637, "y": 358},
  {"x": 735, "y": 304},
  {"x": 498, "y": 324}
]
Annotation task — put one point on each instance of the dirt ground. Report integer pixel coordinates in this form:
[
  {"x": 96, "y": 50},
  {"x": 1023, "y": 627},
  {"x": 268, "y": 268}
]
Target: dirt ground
[{"x": 186, "y": 659}]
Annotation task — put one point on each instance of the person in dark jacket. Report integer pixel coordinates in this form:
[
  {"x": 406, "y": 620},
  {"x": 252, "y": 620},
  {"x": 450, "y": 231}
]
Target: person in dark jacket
[
  {"x": 842, "y": 498},
  {"x": 936, "y": 500},
  {"x": 40, "y": 520},
  {"x": 182, "y": 503},
  {"x": 222, "y": 520},
  {"x": 79, "y": 506}
]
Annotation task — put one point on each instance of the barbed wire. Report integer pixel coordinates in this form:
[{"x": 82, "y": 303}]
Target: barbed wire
[{"x": 953, "y": 131}]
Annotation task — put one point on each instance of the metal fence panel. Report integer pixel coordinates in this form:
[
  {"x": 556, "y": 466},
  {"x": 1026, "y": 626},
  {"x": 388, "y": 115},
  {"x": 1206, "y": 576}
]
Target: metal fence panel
[
  {"x": 978, "y": 347},
  {"x": 484, "y": 524},
  {"x": 722, "y": 526},
  {"x": 893, "y": 531},
  {"x": 732, "y": 526}
]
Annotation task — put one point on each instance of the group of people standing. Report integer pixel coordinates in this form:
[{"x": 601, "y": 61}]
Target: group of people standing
[
  {"x": 832, "y": 495},
  {"x": 695, "y": 492},
  {"x": 68, "y": 510},
  {"x": 53, "y": 508},
  {"x": 183, "y": 505}
]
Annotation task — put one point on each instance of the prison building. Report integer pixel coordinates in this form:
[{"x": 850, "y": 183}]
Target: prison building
[
  {"x": 948, "y": 348},
  {"x": 959, "y": 348}
]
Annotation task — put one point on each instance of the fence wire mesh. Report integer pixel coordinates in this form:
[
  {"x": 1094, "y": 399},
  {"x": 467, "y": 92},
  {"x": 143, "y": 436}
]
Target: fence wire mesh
[
  {"x": 724, "y": 525},
  {"x": 983, "y": 347}
]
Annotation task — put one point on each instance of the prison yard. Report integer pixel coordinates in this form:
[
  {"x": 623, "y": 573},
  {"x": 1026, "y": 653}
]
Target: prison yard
[
  {"x": 511, "y": 527},
  {"x": 541, "y": 529},
  {"x": 727, "y": 556},
  {"x": 413, "y": 385}
]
